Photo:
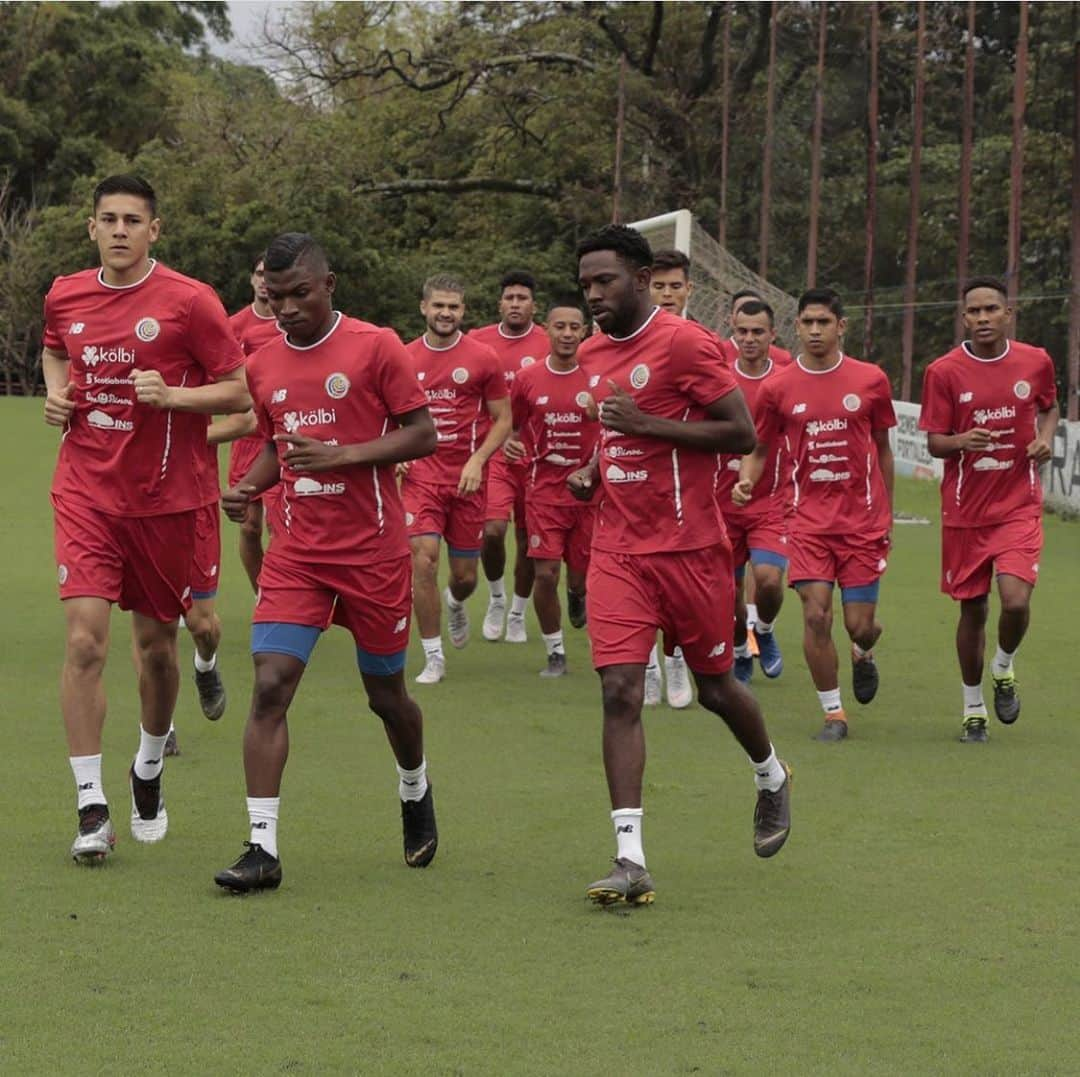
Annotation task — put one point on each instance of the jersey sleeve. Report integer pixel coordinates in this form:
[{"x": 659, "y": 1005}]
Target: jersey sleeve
[
  {"x": 936, "y": 413},
  {"x": 882, "y": 413},
  {"x": 492, "y": 377},
  {"x": 397, "y": 384},
  {"x": 52, "y": 338},
  {"x": 767, "y": 415},
  {"x": 519, "y": 402},
  {"x": 212, "y": 341},
  {"x": 699, "y": 366},
  {"x": 1046, "y": 390}
]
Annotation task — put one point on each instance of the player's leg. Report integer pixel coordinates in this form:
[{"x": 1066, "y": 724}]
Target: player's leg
[
  {"x": 1013, "y": 621},
  {"x": 524, "y": 576},
  {"x": 549, "y": 538},
  {"x": 578, "y": 545},
  {"x": 464, "y": 544},
  {"x": 743, "y": 667},
  {"x": 549, "y": 613},
  {"x": 426, "y": 605},
  {"x": 820, "y": 653},
  {"x": 205, "y": 627},
  {"x": 493, "y": 558},
  {"x": 251, "y": 544},
  {"x": 767, "y": 572},
  {"x": 864, "y": 630}
]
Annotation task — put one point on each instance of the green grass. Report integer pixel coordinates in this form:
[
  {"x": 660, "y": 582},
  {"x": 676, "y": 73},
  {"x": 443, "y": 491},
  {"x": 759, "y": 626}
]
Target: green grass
[{"x": 922, "y": 918}]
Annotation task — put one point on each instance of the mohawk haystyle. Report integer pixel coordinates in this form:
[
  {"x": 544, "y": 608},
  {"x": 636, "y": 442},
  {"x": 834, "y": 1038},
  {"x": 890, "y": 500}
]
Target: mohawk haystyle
[
  {"x": 821, "y": 297},
  {"x": 126, "y": 184},
  {"x": 986, "y": 282},
  {"x": 628, "y": 244},
  {"x": 292, "y": 247}
]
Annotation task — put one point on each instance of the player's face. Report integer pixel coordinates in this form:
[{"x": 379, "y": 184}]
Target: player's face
[
  {"x": 820, "y": 330},
  {"x": 301, "y": 299},
  {"x": 566, "y": 331},
  {"x": 123, "y": 230},
  {"x": 612, "y": 289},
  {"x": 737, "y": 306},
  {"x": 752, "y": 335},
  {"x": 516, "y": 307},
  {"x": 443, "y": 312},
  {"x": 258, "y": 282},
  {"x": 670, "y": 289},
  {"x": 986, "y": 315}
]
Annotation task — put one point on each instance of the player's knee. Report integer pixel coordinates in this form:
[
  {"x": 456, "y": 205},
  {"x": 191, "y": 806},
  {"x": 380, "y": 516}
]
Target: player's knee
[
  {"x": 547, "y": 574},
  {"x": 157, "y": 657},
  {"x": 425, "y": 565},
  {"x": 86, "y": 649},
  {"x": 818, "y": 620},
  {"x": 272, "y": 692},
  {"x": 623, "y": 696},
  {"x": 199, "y": 622},
  {"x": 388, "y": 702},
  {"x": 494, "y": 532},
  {"x": 1014, "y": 604},
  {"x": 463, "y": 576}
]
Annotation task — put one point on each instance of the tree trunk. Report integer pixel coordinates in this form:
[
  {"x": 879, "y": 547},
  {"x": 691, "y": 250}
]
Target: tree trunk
[
  {"x": 725, "y": 117},
  {"x": 963, "y": 245},
  {"x": 620, "y": 123},
  {"x": 815, "y": 152},
  {"x": 766, "y": 163},
  {"x": 1016, "y": 168},
  {"x": 908, "y": 339},
  {"x": 1073, "y": 365},
  {"x": 871, "y": 185}
]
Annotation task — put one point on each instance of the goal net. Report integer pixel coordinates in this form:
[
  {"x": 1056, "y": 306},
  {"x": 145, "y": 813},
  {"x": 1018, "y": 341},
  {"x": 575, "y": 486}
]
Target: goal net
[{"x": 717, "y": 274}]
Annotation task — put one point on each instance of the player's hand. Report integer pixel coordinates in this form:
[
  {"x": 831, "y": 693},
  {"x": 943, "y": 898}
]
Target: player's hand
[
  {"x": 150, "y": 388},
  {"x": 402, "y": 469},
  {"x": 583, "y": 483},
  {"x": 60, "y": 406},
  {"x": 742, "y": 491},
  {"x": 310, "y": 454},
  {"x": 976, "y": 440},
  {"x": 235, "y": 502},
  {"x": 472, "y": 475},
  {"x": 1039, "y": 451},
  {"x": 514, "y": 449},
  {"x": 620, "y": 412}
]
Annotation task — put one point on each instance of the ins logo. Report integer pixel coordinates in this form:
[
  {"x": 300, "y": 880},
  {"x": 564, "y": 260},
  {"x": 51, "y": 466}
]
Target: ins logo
[{"x": 337, "y": 385}]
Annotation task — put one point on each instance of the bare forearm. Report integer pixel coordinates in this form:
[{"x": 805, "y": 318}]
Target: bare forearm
[
  {"x": 709, "y": 435},
  {"x": 406, "y": 443},
  {"x": 232, "y": 428},
  {"x": 753, "y": 465},
  {"x": 888, "y": 472},
  {"x": 496, "y": 436},
  {"x": 944, "y": 445},
  {"x": 219, "y": 398},
  {"x": 56, "y": 370},
  {"x": 1048, "y": 423},
  {"x": 266, "y": 470}
]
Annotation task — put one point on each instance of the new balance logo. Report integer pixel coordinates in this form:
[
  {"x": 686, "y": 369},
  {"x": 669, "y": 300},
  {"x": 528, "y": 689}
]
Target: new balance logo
[
  {"x": 400, "y": 625},
  {"x": 625, "y": 828},
  {"x": 718, "y": 650},
  {"x": 798, "y": 409},
  {"x": 965, "y": 398},
  {"x": 278, "y": 396},
  {"x": 76, "y": 328}
]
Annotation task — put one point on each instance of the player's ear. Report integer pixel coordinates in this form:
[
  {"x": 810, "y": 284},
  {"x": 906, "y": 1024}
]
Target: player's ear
[
  {"x": 91, "y": 227},
  {"x": 841, "y": 326},
  {"x": 155, "y": 229},
  {"x": 643, "y": 278},
  {"x": 331, "y": 282}
]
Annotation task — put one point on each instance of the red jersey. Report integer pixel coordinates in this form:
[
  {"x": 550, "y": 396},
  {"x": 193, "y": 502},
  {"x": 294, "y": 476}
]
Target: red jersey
[
  {"x": 778, "y": 355},
  {"x": 657, "y": 497},
  {"x": 345, "y": 389},
  {"x": 767, "y": 497},
  {"x": 514, "y": 353},
  {"x": 252, "y": 331},
  {"x": 549, "y": 409},
  {"x": 458, "y": 381},
  {"x": 1002, "y": 395},
  {"x": 827, "y": 421},
  {"x": 131, "y": 459}
]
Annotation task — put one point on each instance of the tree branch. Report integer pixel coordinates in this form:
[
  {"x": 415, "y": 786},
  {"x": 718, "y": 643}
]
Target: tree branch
[{"x": 460, "y": 185}]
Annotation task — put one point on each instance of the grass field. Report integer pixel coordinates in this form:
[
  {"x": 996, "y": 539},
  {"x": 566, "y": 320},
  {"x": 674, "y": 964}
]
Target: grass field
[{"x": 921, "y": 920}]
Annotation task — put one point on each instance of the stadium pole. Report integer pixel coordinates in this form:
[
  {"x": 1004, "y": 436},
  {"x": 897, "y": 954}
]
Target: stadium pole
[
  {"x": 620, "y": 121},
  {"x": 725, "y": 117},
  {"x": 1072, "y": 407},
  {"x": 908, "y": 337},
  {"x": 815, "y": 152},
  {"x": 766, "y": 162},
  {"x": 963, "y": 246},
  {"x": 1016, "y": 164},
  {"x": 871, "y": 184}
]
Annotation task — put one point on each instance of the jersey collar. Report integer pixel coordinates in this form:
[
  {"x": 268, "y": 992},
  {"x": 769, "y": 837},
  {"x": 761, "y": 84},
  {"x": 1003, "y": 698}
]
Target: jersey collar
[
  {"x": 979, "y": 359},
  {"x": 322, "y": 340},
  {"x": 125, "y": 287},
  {"x": 640, "y": 329}
]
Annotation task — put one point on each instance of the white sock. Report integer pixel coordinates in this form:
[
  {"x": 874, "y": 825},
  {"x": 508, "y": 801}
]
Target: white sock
[
  {"x": 830, "y": 702},
  {"x": 518, "y": 606},
  {"x": 751, "y": 614},
  {"x": 654, "y": 658},
  {"x": 764, "y": 628},
  {"x": 451, "y": 601},
  {"x": 263, "y": 813},
  {"x": 672, "y": 660},
  {"x": 204, "y": 666},
  {"x": 628, "y": 834},
  {"x": 432, "y": 647},
  {"x": 742, "y": 650},
  {"x": 677, "y": 654},
  {"x": 1002, "y": 663},
  {"x": 150, "y": 758},
  {"x": 553, "y": 642},
  {"x": 87, "y": 771},
  {"x": 412, "y": 784},
  {"x": 857, "y": 651},
  {"x": 497, "y": 589},
  {"x": 769, "y": 774},
  {"x": 974, "y": 704}
]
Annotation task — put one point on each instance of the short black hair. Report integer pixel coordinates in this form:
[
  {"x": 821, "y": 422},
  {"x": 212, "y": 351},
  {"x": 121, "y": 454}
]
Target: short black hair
[
  {"x": 289, "y": 248},
  {"x": 520, "y": 277},
  {"x": 745, "y": 293},
  {"x": 671, "y": 259},
  {"x": 822, "y": 297},
  {"x": 986, "y": 282},
  {"x": 628, "y": 244},
  {"x": 126, "y": 184},
  {"x": 256, "y": 259},
  {"x": 574, "y": 302},
  {"x": 758, "y": 306}
]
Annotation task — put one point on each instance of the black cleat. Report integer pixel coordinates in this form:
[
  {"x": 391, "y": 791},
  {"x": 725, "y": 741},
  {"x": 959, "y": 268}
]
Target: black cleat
[
  {"x": 628, "y": 883},
  {"x": 864, "y": 678},
  {"x": 255, "y": 870},
  {"x": 834, "y": 729},
  {"x": 1006, "y": 700},
  {"x": 171, "y": 745},
  {"x": 421, "y": 834},
  {"x": 211, "y": 693},
  {"x": 975, "y": 731},
  {"x": 575, "y": 608},
  {"x": 772, "y": 817},
  {"x": 556, "y": 665},
  {"x": 149, "y": 819}
]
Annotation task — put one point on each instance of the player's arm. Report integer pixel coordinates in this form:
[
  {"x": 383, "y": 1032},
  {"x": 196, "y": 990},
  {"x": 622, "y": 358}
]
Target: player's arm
[
  {"x": 751, "y": 469},
  {"x": 264, "y": 473},
  {"x": 944, "y": 445},
  {"x": 472, "y": 474},
  {"x": 1040, "y": 450},
  {"x": 728, "y": 427},
  {"x": 413, "y": 438},
  {"x": 59, "y": 389},
  {"x": 514, "y": 448},
  {"x": 584, "y": 482},
  {"x": 223, "y": 396},
  {"x": 231, "y": 428},
  {"x": 885, "y": 461}
]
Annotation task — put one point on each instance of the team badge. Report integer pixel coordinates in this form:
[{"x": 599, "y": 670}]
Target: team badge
[
  {"x": 62, "y": 574},
  {"x": 460, "y": 375},
  {"x": 410, "y": 519},
  {"x": 420, "y": 374},
  {"x": 583, "y": 400},
  {"x": 527, "y": 360},
  {"x": 1022, "y": 390},
  {"x": 534, "y": 541},
  {"x": 851, "y": 402},
  {"x": 639, "y": 376},
  {"x": 147, "y": 329},
  {"x": 337, "y": 385},
  {"x": 594, "y": 381}
]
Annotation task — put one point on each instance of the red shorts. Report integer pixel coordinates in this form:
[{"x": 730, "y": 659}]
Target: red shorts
[
  {"x": 372, "y": 601},
  {"x": 971, "y": 556},
  {"x": 506, "y": 491},
  {"x": 441, "y": 510},
  {"x": 142, "y": 563},
  {"x": 560, "y": 533},
  {"x": 766, "y": 533},
  {"x": 845, "y": 559},
  {"x": 206, "y": 555},
  {"x": 689, "y": 595}
]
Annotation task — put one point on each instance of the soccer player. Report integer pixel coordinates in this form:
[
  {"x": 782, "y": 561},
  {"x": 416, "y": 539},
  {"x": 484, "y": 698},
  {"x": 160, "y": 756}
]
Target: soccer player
[
  {"x": 445, "y": 494},
  {"x": 254, "y": 326},
  {"x": 728, "y": 345},
  {"x": 834, "y": 413},
  {"x": 660, "y": 557},
  {"x": 989, "y": 408},
  {"x": 519, "y": 343},
  {"x": 756, "y": 527},
  {"x": 338, "y": 406},
  {"x": 550, "y": 403},
  {"x": 135, "y": 356}
]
